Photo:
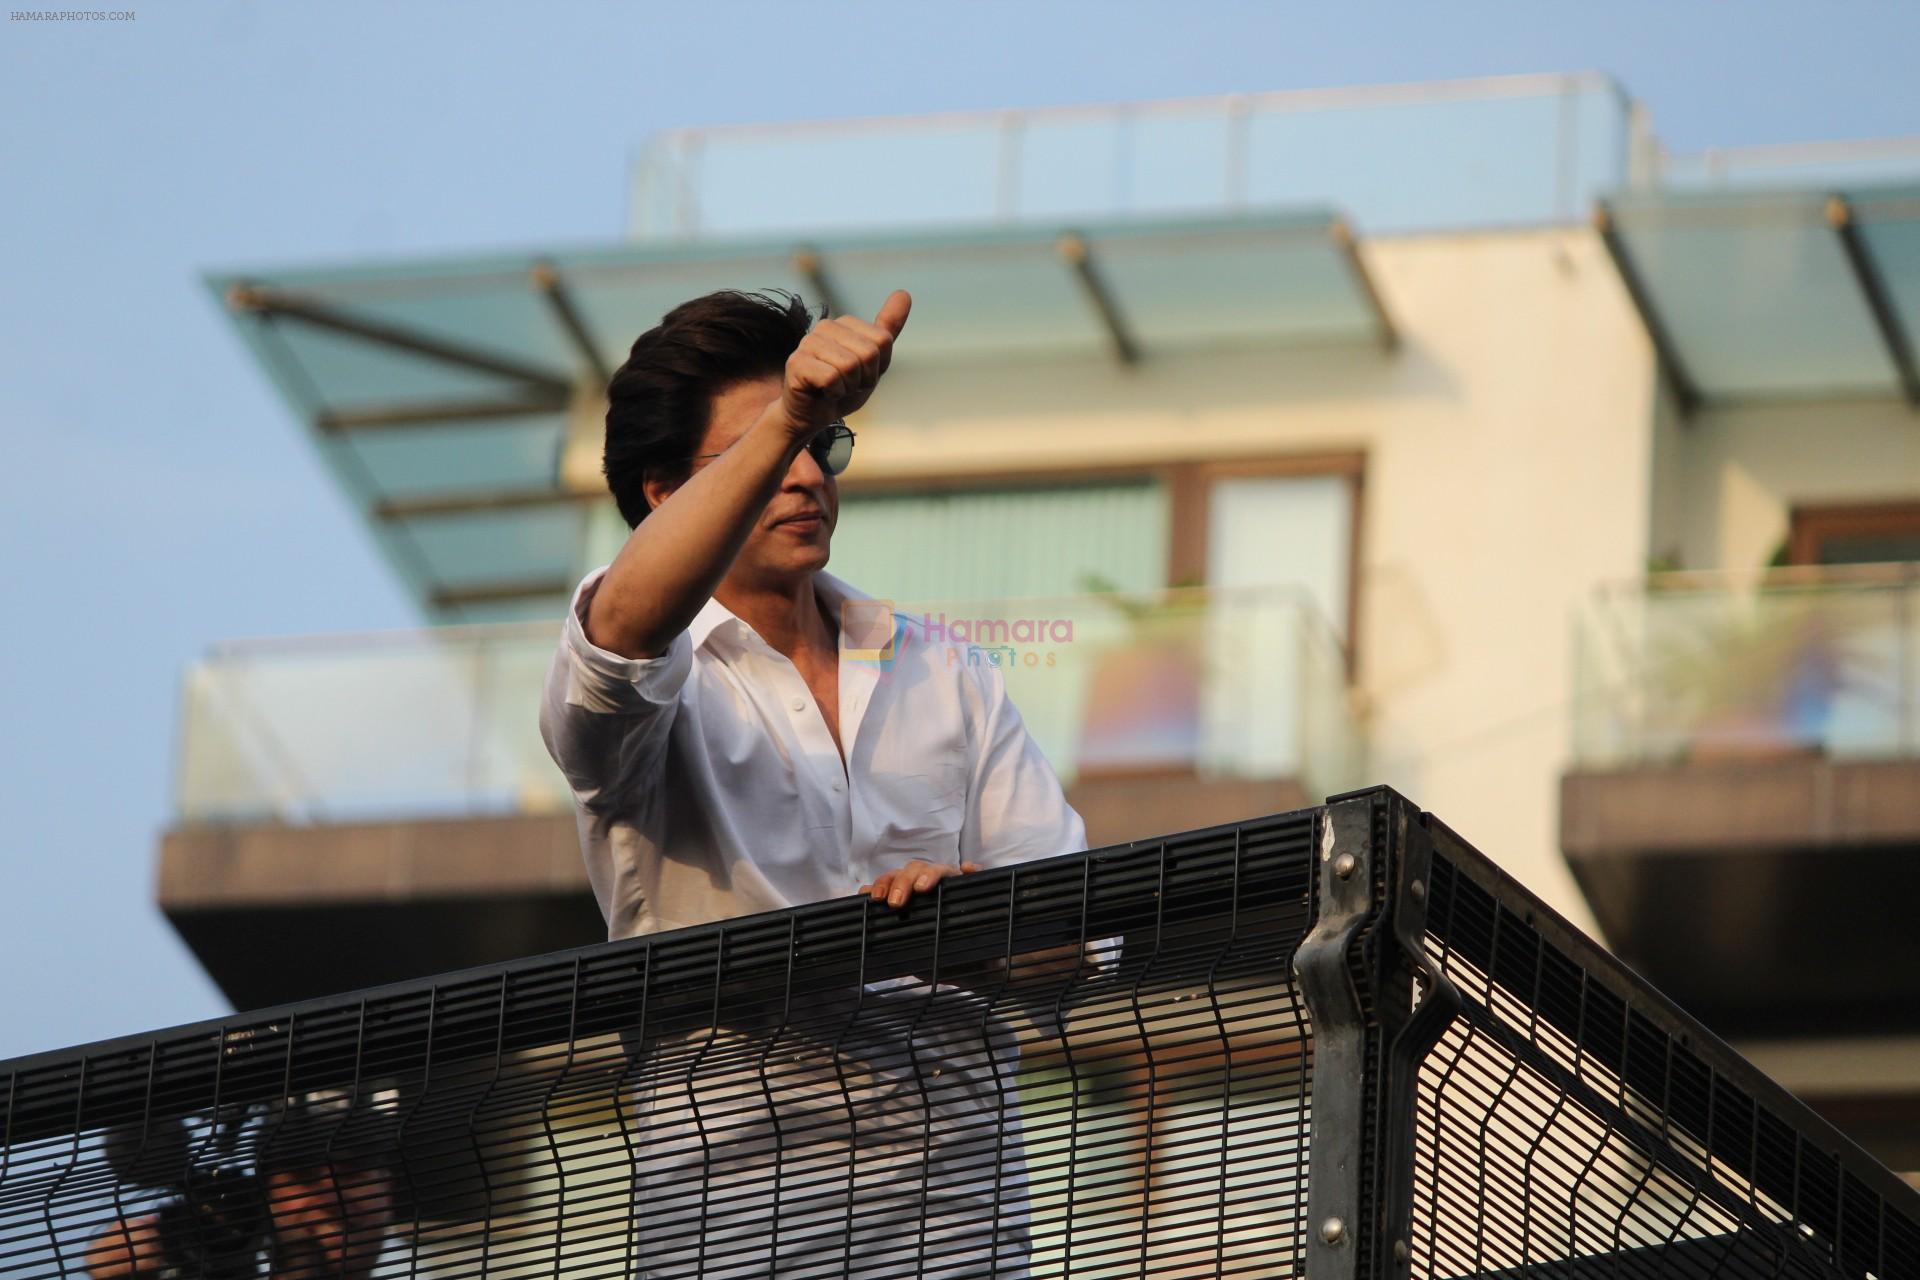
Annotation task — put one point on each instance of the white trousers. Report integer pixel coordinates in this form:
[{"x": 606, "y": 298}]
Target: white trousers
[{"x": 883, "y": 1143}]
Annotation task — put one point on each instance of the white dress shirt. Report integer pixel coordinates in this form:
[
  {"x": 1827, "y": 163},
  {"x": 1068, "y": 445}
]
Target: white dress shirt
[{"x": 709, "y": 787}]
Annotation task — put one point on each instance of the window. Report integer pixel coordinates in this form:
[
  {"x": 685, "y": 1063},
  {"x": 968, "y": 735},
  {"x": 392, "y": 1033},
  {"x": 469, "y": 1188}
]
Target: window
[
  {"x": 1000, "y": 542},
  {"x": 1864, "y": 533}
]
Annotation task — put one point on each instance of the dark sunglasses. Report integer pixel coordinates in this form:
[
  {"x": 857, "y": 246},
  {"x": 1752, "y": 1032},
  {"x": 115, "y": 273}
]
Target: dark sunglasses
[{"x": 831, "y": 447}]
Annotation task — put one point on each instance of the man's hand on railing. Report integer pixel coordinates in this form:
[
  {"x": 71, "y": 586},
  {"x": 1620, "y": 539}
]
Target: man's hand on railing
[
  {"x": 991, "y": 976},
  {"x": 895, "y": 887}
]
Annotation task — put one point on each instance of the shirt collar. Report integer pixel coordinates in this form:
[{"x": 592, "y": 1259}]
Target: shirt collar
[{"x": 713, "y": 615}]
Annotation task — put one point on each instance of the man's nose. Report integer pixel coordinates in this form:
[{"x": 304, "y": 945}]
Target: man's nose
[{"x": 805, "y": 472}]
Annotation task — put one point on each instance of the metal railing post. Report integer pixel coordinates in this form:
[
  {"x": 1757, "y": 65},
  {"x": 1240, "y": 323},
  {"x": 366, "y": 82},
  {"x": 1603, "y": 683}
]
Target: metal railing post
[
  {"x": 1344, "y": 856},
  {"x": 1356, "y": 971}
]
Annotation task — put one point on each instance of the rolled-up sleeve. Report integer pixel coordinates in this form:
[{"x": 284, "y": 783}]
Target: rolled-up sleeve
[
  {"x": 1016, "y": 809},
  {"x": 605, "y": 718}
]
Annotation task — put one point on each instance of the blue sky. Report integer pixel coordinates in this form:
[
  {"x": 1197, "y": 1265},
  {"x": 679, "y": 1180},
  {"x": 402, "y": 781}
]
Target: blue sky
[{"x": 156, "y": 498}]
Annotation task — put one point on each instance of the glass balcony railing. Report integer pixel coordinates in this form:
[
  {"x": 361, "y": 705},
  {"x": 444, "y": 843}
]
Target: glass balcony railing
[
  {"x": 1695, "y": 667},
  {"x": 1853, "y": 163},
  {"x": 1242, "y": 683},
  {"x": 1470, "y": 153}
]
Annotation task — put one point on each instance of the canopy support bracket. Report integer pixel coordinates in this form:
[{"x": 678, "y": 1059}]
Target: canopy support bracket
[
  {"x": 1886, "y": 317},
  {"x": 546, "y": 278},
  {"x": 808, "y": 266},
  {"x": 278, "y": 303},
  {"x": 1686, "y": 392},
  {"x": 435, "y": 412},
  {"x": 1073, "y": 250}
]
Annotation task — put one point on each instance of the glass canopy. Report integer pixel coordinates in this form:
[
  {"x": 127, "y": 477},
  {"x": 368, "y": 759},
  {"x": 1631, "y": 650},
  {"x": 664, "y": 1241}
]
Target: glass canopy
[
  {"x": 1755, "y": 295},
  {"x": 443, "y": 393}
]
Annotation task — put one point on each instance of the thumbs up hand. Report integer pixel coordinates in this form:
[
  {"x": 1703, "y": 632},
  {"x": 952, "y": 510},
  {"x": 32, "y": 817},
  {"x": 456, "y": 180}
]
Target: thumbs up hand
[{"x": 837, "y": 365}]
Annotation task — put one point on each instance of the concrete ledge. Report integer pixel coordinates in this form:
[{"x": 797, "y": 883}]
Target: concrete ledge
[
  {"x": 1736, "y": 805},
  {"x": 1772, "y": 898},
  {"x": 207, "y": 867}
]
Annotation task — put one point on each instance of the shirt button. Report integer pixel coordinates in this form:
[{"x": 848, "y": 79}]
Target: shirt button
[{"x": 799, "y": 704}]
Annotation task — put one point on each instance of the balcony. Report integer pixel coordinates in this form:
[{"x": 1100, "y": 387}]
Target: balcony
[
  {"x": 1743, "y": 809},
  {"x": 394, "y": 789}
]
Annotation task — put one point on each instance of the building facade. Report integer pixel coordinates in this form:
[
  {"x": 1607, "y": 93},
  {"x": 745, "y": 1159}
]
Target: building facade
[{"x": 1454, "y": 437}]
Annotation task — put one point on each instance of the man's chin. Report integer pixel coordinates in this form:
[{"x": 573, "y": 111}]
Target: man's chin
[{"x": 791, "y": 563}]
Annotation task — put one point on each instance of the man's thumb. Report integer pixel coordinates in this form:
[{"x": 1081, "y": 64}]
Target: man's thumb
[{"x": 893, "y": 312}]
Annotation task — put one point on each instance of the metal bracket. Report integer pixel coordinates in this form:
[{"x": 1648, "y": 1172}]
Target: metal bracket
[{"x": 1343, "y": 881}]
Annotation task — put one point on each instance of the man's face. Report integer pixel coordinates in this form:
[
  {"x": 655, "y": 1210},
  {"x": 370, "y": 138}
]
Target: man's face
[{"x": 790, "y": 539}]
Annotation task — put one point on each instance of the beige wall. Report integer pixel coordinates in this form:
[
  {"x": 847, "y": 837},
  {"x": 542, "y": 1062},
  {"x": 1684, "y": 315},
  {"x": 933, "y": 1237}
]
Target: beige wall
[
  {"x": 1741, "y": 472},
  {"x": 1509, "y": 465}
]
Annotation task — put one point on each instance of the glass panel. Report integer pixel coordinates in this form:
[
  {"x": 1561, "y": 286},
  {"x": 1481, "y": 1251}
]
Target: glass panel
[
  {"x": 1227, "y": 287},
  {"x": 938, "y": 171},
  {"x": 408, "y": 726},
  {"x": 1473, "y": 160},
  {"x": 1397, "y": 157},
  {"x": 486, "y": 308},
  {"x": 1827, "y": 165},
  {"x": 1070, "y": 165},
  {"x": 1601, "y": 138},
  {"x": 506, "y": 760},
  {"x": 492, "y": 547},
  {"x": 1244, "y": 683},
  {"x": 1009, "y": 296},
  {"x": 1213, "y": 681},
  {"x": 1890, "y": 227},
  {"x": 1396, "y": 166},
  {"x": 1691, "y": 669},
  {"x": 622, "y": 297},
  {"x": 353, "y": 373},
  {"x": 457, "y": 457},
  {"x": 541, "y": 608},
  {"x": 1756, "y": 293},
  {"x": 1254, "y": 658},
  {"x": 1180, "y": 162}
]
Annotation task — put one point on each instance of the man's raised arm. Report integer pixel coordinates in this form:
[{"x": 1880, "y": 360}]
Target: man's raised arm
[{"x": 675, "y": 558}]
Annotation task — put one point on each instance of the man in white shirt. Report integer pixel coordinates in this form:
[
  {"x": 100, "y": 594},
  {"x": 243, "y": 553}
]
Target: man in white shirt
[{"x": 732, "y": 750}]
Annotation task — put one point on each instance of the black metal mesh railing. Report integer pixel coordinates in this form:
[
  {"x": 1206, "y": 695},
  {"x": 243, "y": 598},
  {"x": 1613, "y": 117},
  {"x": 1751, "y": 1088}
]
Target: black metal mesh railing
[
  {"x": 1116, "y": 1064},
  {"x": 1571, "y": 1123},
  {"x": 1090, "y": 1066}
]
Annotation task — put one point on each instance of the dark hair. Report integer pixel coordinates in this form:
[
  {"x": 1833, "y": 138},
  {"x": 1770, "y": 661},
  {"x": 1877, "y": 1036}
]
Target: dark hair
[{"x": 659, "y": 401}]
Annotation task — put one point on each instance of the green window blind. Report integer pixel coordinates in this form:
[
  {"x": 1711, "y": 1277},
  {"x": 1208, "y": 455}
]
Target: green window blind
[{"x": 994, "y": 544}]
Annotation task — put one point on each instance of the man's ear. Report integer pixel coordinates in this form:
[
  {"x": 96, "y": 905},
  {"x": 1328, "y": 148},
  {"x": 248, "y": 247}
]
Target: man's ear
[{"x": 657, "y": 486}]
